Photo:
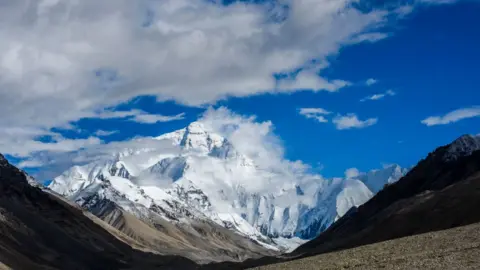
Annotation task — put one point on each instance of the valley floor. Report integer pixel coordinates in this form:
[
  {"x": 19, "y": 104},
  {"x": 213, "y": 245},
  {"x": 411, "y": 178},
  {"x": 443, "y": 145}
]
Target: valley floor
[{"x": 457, "y": 248}]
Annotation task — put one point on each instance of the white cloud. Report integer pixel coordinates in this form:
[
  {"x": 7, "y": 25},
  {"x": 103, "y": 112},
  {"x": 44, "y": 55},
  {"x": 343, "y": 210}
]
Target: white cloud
[
  {"x": 249, "y": 136},
  {"x": 309, "y": 80},
  {"x": 21, "y": 142},
  {"x": 65, "y": 60},
  {"x": 369, "y": 37},
  {"x": 55, "y": 163},
  {"x": 379, "y": 96},
  {"x": 138, "y": 116},
  {"x": 315, "y": 113},
  {"x": 371, "y": 81},
  {"x": 452, "y": 117},
  {"x": 352, "y": 173},
  {"x": 252, "y": 138},
  {"x": 341, "y": 122},
  {"x": 155, "y": 118},
  {"x": 258, "y": 142},
  {"x": 105, "y": 133},
  {"x": 351, "y": 120},
  {"x": 403, "y": 11},
  {"x": 30, "y": 163}
]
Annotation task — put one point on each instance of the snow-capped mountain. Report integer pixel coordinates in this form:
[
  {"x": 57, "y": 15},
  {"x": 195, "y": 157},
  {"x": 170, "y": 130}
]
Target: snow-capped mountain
[
  {"x": 201, "y": 175},
  {"x": 463, "y": 146},
  {"x": 375, "y": 180}
]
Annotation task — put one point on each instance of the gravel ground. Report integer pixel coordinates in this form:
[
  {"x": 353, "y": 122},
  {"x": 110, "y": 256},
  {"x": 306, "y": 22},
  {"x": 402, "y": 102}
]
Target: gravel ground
[{"x": 457, "y": 248}]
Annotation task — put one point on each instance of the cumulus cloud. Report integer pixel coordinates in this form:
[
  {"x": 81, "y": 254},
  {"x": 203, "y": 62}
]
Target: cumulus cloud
[
  {"x": 379, "y": 96},
  {"x": 249, "y": 136},
  {"x": 452, "y": 117},
  {"x": 65, "y": 60},
  {"x": 351, "y": 121},
  {"x": 315, "y": 113}
]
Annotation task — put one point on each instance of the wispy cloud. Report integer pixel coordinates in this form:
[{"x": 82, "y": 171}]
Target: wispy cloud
[
  {"x": 315, "y": 113},
  {"x": 452, "y": 117},
  {"x": 23, "y": 142},
  {"x": 104, "y": 133},
  {"x": 308, "y": 79},
  {"x": 139, "y": 116},
  {"x": 370, "y": 37},
  {"x": 155, "y": 118},
  {"x": 371, "y": 81},
  {"x": 341, "y": 122},
  {"x": 351, "y": 120},
  {"x": 436, "y": 2},
  {"x": 379, "y": 96}
]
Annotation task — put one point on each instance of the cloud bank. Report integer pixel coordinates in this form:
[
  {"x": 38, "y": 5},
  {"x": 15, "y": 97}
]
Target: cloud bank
[
  {"x": 249, "y": 136},
  {"x": 64, "y": 60}
]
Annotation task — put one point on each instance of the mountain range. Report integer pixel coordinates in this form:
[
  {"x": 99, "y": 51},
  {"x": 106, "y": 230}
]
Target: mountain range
[
  {"x": 194, "y": 175},
  {"x": 192, "y": 200}
]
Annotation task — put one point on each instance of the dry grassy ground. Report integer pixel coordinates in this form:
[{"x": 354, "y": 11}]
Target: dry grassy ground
[{"x": 457, "y": 248}]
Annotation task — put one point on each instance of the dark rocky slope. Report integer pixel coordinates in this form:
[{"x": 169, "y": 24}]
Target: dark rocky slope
[
  {"x": 41, "y": 231},
  {"x": 441, "y": 192}
]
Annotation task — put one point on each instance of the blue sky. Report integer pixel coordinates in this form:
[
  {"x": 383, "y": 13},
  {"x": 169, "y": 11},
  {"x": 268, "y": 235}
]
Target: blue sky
[{"x": 427, "y": 60}]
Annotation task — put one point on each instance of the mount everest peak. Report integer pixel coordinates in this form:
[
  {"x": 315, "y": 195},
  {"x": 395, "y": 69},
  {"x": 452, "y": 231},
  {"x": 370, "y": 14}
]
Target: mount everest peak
[{"x": 203, "y": 176}]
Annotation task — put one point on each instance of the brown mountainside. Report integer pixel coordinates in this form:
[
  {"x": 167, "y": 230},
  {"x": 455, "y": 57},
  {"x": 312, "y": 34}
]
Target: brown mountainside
[{"x": 41, "y": 231}]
